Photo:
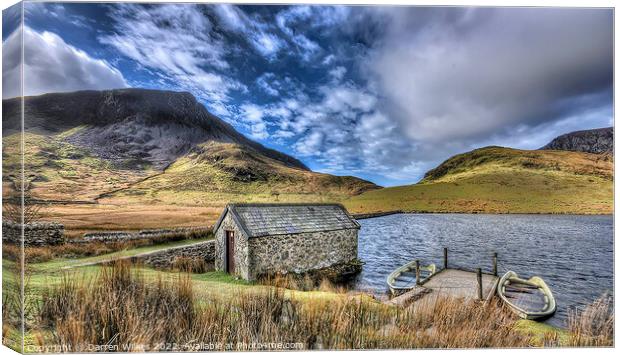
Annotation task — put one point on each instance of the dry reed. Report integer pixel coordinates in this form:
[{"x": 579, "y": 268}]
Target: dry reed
[
  {"x": 191, "y": 264},
  {"x": 121, "y": 310},
  {"x": 593, "y": 325}
]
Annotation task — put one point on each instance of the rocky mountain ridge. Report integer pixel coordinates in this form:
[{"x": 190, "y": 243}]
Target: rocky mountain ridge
[
  {"x": 598, "y": 141},
  {"x": 131, "y": 127}
]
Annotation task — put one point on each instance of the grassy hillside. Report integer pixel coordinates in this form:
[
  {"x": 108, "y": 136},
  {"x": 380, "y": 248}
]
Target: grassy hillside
[
  {"x": 503, "y": 180},
  {"x": 57, "y": 170},
  {"x": 91, "y": 193},
  {"x": 216, "y": 173}
]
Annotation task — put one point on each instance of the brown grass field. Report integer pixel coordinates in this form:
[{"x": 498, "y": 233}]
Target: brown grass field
[
  {"x": 86, "y": 193},
  {"x": 122, "y": 308}
]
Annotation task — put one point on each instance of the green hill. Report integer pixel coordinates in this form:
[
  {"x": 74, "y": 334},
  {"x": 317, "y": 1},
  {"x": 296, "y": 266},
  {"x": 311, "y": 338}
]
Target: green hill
[
  {"x": 216, "y": 173},
  {"x": 503, "y": 180}
]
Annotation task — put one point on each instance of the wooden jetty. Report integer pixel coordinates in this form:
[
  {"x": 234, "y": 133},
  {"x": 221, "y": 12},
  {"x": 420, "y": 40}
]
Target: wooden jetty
[{"x": 453, "y": 282}]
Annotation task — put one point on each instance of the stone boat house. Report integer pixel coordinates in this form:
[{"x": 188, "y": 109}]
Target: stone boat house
[{"x": 253, "y": 240}]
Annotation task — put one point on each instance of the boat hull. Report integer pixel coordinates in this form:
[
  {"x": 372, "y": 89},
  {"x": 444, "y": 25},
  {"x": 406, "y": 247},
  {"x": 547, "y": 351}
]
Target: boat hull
[
  {"x": 530, "y": 299},
  {"x": 403, "y": 278}
]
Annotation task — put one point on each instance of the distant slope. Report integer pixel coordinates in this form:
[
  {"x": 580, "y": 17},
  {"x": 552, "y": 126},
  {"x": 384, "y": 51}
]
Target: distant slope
[
  {"x": 599, "y": 140},
  {"x": 503, "y": 180},
  {"x": 217, "y": 173}
]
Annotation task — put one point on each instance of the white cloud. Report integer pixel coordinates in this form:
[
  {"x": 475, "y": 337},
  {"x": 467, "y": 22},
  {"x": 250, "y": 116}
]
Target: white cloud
[
  {"x": 254, "y": 30},
  {"x": 308, "y": 48},
  {"x": 329, "y": 59},
  {"x": 252, "y": 117},
  {"x": 231, "y": 16},
  {"x": 343, "y": 130},
  {"x": 52, "y": 65},
  {"x": 283, "y": 134},
  {"x": 346, "y": 98},
  {"x": 291, "y": 17},
  {"x": 315, "y": 16},
  {"x": 270, "y": 84},
  {"x": 252, "y": 113},
  {"x": 338, "y": 73},
  {"x": 219, "y": 109},
  {"x": 178, "y": 42},
  {"x": 57, "y": 11},
  {"x": 310, "y": 144},
  {"x": 280, "y": 112},
  {"x": 267, "y": 44},
  {"x": 259, "y": 131}
]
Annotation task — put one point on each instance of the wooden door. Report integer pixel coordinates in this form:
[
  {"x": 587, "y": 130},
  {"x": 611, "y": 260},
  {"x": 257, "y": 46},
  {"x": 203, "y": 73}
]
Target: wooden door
[{"x": 230, "y": 252}]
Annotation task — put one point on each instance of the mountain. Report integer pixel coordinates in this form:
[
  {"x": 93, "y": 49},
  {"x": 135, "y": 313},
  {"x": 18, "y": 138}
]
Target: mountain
[
  {"x": 599, "y": 140},
  {"x": 134, "y": 158},
  {"x": 503, "y": 180},
  {"x": 130, "y": 126}
]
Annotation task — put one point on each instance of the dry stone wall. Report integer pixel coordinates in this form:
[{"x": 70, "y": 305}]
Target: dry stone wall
[
  {"x": 165, "y": 259},
  {"x": 35, "y": 234},
  {"x": 119, "y": 236}
]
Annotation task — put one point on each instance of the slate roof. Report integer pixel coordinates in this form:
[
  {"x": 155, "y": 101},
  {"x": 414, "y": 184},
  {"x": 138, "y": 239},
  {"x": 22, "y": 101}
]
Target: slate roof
[{"x": 259, "y": 220}]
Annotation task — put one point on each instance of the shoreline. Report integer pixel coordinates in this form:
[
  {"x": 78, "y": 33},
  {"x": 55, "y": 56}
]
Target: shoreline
[
  {"x": 387, "y": 213},
  {"x": 375, "y": 214}
]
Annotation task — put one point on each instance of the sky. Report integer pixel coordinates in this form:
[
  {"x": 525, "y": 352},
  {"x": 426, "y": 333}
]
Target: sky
[{"x": 382, "y": 93}]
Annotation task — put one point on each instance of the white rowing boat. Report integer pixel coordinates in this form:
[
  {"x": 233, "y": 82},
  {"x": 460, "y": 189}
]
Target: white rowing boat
[
  {"x": 404, "y": 278},
  {"x": 529, "y": 299}
]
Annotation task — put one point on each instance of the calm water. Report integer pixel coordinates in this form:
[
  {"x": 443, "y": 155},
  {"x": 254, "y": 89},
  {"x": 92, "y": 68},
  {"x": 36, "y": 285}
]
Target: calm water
[{"x": 574, "y": 254}]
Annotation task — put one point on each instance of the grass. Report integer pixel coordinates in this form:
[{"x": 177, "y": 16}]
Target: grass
[
  {"x": 79, "y": 219},
  {"x": 123, "y": 308},
  {"x": 489, "y": 180},
  {"x": 502, "y": 180},
  {"x": 226, "y": 167},
  {"x": 138, "y": 309},
  {"x": 542, "y": 334},
  {"x": 218, "y": 173},
  {"x": 72, "y": 308}
]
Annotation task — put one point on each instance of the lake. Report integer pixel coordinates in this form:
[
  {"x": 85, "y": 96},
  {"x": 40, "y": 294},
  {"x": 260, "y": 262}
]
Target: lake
[{"x": 573, "y": 254}]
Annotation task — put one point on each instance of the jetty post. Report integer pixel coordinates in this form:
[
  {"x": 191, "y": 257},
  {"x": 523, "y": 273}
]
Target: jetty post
[
  {"x": 417, "y": 272},
  {"x": 445, "y": 258},
  {"x": 479, "y": 277},
  {"x": 495, "y": 264}
]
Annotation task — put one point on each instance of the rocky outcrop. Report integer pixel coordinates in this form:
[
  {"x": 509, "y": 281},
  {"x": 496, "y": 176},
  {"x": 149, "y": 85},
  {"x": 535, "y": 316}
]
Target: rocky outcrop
[
  {"x": 35, "y": 234},
  {"x": 597, "y": 141}
]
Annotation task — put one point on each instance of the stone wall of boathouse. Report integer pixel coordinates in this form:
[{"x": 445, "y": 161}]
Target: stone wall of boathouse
[
  {"x": 283, "y": 254},
  {"x": 241, "y": 253},
  {"x": 302, "y": 253}
]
